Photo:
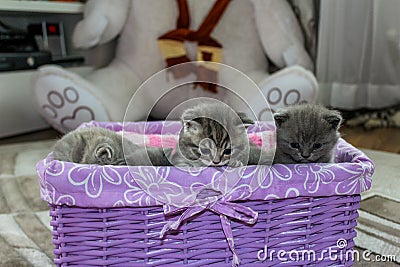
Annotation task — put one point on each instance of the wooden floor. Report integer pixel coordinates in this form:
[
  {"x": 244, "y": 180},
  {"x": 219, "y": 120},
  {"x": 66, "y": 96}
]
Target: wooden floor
[{"x": 383, "y": 139}]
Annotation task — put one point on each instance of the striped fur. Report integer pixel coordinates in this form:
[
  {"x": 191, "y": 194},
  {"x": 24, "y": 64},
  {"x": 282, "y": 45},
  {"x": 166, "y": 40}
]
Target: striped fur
[
  {"x": 213, "y": 135},
  {"x": 371, "y": 119}
]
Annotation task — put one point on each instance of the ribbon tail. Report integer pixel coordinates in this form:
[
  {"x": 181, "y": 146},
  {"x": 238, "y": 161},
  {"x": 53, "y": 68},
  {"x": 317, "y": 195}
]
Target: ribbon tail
[
  {"x": 226, "y": 227},
  {"x": 168, "y": 226},
  {"x": 225, "y": 210},
  {"x": 237, "y": 211},
  {"x": 235, "y": 261},
  {"x": 174, "y": 225}
]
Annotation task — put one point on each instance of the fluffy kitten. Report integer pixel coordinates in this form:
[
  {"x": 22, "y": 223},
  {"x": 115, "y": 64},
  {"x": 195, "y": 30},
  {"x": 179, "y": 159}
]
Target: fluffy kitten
[
  {"x": 213, "y": 135},
  {"x": 92, "y": 145},
  {"x": 96, "y": 145},
  {"x": 306, "y": 133},
  {"x": 149, "y": 156}
]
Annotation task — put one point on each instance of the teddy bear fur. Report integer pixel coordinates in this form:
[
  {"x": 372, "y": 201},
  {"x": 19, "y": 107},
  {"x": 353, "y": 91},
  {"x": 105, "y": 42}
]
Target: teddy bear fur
[{"x": 249, "y": 31}]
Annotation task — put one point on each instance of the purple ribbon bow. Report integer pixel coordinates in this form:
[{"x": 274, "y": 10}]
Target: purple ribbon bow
[{"x": 225, "y": 210}]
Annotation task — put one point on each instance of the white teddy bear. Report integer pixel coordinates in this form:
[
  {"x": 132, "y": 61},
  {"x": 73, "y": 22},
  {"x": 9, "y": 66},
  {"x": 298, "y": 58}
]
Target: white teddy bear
[{"x": 243, "y": 34}]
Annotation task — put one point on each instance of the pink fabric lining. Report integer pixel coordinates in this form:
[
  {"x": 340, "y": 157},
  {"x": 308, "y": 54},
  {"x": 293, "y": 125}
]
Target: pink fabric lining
[{"x": 170, "y": 141}]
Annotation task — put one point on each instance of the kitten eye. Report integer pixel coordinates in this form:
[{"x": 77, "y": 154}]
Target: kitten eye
[
  {"x": 294, "y": 145},
  {"x": 317, "y": 145},
  {"x": 227, "y": 151},
  {"x": 205, "y": 151}
]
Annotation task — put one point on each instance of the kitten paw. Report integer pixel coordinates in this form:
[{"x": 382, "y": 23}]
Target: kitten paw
[{"x": 236, "y": 164}]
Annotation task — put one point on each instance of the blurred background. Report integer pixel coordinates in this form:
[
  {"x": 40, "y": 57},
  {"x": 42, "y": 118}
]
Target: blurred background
[{"x": 343, "y": 54}]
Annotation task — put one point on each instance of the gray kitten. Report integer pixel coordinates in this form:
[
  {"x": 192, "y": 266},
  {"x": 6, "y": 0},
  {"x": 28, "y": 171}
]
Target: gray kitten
[
  {"x": 96, "y": 145},
  {"x": 306, "y": 133},
  {"x": 213, "y": 135},
  {"x": 149, "y": 156}
]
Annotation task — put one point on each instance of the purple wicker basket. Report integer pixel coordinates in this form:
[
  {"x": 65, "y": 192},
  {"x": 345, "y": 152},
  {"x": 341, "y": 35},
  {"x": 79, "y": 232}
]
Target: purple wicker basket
[{"x": 299, "y": 215}]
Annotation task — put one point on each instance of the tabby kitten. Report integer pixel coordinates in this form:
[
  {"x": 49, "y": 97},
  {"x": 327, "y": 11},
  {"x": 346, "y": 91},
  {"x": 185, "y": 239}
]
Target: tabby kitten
[
  {"x": 213, "y": 135},
  {"x": 371, "y": 119},
  {"x": 96, "y": 145},
  {"x": 306, "y": 134}
]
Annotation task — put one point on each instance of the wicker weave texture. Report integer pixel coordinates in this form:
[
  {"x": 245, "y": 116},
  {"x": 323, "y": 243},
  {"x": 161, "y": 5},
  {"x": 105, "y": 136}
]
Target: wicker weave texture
[{"x": 130, "y": 236}]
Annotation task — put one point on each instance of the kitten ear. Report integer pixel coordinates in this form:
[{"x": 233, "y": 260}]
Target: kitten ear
[
  {"x": 188, "y": 123},
  {"x": 188, "y": 115},
  {"x": 104, "y": 152},
  {"x": 191, "y": 126},
  {"x": 246, "y": 121},
  {"x": 334, "y": 119},
  {"x": 280, "y": 117}
]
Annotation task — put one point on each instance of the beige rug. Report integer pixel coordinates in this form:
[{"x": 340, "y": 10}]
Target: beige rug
[
  {"x": 378, "y": 227},
  {"x": 25, "y": 238}
]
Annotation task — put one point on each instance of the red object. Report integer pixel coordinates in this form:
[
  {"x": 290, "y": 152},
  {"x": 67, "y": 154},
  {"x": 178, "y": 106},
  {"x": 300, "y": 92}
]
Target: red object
[{"x": 52, "y": 28}]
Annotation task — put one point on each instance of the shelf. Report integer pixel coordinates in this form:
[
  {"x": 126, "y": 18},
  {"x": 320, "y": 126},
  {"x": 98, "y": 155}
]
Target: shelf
[
  {"x": 81, "y": 70},
  {"x": 41, "y": 6}
]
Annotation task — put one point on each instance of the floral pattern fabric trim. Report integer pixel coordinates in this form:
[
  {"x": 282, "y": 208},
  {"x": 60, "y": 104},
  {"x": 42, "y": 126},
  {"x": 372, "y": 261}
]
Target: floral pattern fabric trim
[{"x": 118, "y": 186}]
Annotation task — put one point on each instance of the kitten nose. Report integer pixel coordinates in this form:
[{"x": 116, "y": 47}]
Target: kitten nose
[
  {"x": 306, "y": 156},
  {"x": 216, "y": 159}
]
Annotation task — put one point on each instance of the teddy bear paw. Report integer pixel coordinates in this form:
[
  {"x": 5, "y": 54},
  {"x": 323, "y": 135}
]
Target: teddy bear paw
[
  {"x": 63, "y": 101},
  {"x": 290, "y": 86}
]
